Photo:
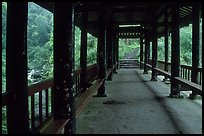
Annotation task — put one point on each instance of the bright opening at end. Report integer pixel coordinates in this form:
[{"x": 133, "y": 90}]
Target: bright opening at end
[{"x": 129, "y": 25}]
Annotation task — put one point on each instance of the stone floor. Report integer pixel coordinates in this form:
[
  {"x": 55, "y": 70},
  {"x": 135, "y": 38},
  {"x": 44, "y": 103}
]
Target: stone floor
[{"x": 136, "y": 105}]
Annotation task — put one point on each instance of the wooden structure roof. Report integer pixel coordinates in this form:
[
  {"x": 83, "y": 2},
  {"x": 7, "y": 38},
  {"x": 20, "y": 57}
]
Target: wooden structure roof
[{"x": 128, "y": 13}]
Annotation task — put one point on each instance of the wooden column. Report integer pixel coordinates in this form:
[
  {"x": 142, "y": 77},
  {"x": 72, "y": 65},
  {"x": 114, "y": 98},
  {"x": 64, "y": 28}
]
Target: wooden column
[
  {"x": 195, "y": 45},
  {"x": 64, "y": 64},
  {"x": 166, "y": 45},
  {"x": 83, "y": 52},
  {"x": 141, "y": 51},
  {"x": 101, "y": 56},
  {"x": 117, "y": 49},
  {"x": 154, "y": 46},
  {"x": 175, "y": 52},
  {"x": 16, "y": 67},
  {"x": 109, "y": 45},
  {"x": 114, "y": 49},
  {"x": 146, "y": 52}
]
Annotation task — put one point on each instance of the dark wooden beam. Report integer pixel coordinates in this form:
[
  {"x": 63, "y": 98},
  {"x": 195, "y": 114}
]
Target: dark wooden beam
[
  {"x": 137, "y": 29},
  {"x": 83, "y": 50},
  {"x": 146, "y": 52},
  {"x": 141, "y": 52},
  {"x": 195, "y": 45},
  {"x": 16, "y": 68},
  {"x": 175, "y": 53},
  {"x": 109, "y": 44},
  {"x": 154, "y": 46},
  {"x": 166, "y": 44},
  {"x": 101, "y": 56},
  {"x": 64, "y": 101}
]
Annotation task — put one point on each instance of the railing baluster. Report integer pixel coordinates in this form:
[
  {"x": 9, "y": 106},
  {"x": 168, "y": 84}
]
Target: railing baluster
[
  {"x": 46, "y": 102},
  {"x": 33, "y": 111},
  {"x": 188, "y": 74},
  {"x": 52, "y": 99},
  {"x": 183, "y": 73},
  {"x": 40, "y": 107},
  {"x": 200, "y": 78}
]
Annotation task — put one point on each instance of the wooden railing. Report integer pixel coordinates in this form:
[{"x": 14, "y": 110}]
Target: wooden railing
[
  {"x": 185, "y": 73},
  {"x": 40, "y": 98},
  {"x": 92, "y": 72},
  {"x": 39, "y": 104}
]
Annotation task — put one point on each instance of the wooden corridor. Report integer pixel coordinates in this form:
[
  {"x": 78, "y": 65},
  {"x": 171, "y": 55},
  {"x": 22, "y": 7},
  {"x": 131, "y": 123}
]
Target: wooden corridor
[{"x": 136, "y": 105}]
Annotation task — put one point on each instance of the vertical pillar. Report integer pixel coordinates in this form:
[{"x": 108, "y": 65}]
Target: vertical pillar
[
  {"x": 175, "y": 53},
  {"x": 109, "y": 45},
  {"x": 154, "y": 47},
  {"x": 148, "y": 49},
  {"x": 166, "y": 46},
  {"x": 16, "y": 67},
  {"x": 83, "y": 52},
  {"x": 141, "y": 50},
  {"x": 114, "y": 49},
  {"x": 101, "y": 56},
  {"x": 195, "y": 45},
  {"x": 117, "y": 48},
  {"x": 146, "y": 52},
  {"x": 63, "y": 64}
]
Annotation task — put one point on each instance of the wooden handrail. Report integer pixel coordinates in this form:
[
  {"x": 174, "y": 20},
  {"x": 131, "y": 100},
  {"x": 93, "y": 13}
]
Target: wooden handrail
[
  {"x": 195, "y": 87},
  {"x": 167, "y": 74},
  {"x": 38, "y": 87}
]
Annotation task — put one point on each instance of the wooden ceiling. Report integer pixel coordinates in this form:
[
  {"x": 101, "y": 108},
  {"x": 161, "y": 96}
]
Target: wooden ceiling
[{"x": 128, "y": 13}]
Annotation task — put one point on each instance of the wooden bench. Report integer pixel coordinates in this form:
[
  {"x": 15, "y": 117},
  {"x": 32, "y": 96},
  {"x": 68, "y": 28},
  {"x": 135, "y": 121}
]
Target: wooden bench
[
  {"x": 109, "y": 70},
  {"x": 54, "y": 126},
  {"x": 84, "y": 98},
  {"x": 195, "y": 87}
]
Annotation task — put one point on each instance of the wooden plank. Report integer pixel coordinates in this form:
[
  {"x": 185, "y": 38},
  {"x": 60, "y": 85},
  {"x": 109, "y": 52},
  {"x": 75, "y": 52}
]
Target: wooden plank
[
  {"x": 55, "y": 126},
  {"x": 34, "y": 88},
  {"x": 83, "y": 99},
  {"x": 108, "y": 71}
]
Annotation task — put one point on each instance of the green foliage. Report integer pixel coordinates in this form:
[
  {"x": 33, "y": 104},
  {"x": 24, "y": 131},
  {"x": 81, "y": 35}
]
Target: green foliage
[
  {"x": 77, "y": 47},
  {"x": 40, "y": 41},
  {"x": 127, "y": 47},
  {"x": 4, "y": 14},
  {"x": 91, "y": 49},
  {"x": 161, "y": 51},
  {"x": 186, "y": 45}
]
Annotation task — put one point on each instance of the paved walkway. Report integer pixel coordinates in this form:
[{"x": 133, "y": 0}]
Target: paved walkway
[{"x": 136, "y": 105}]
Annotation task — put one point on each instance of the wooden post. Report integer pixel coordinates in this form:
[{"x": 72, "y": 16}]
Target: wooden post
[
  {"x": 102, "y": 55},
  {"x": 64, "y": 64},
  {"x": 83, "y": 52},
  {"x": 175, "y": 53},
  {"x": 154, "y": 47},
  {"x": 117, "y": 49},
  {"x": 141, "y": 51},
  {"x": 195, "y": 45},
  {"x": 16, "y": 68},
  {"x": 114, "y": 49},
  {"x": 109, "y": 45},
  {"x": 146, "y": 52},
  {"x": 166, "y": 43}
]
